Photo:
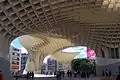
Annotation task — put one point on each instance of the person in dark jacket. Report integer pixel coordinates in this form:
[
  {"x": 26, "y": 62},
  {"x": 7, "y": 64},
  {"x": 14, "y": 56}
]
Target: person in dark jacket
[
  {"x": 27, "y": 75},
  {"x": 58, "y": 75},
  {"x": 110, "y": 73},
  {"x": 1, "y": 75},
  {"x": 32, "y": 74},
  {"x": 118, "y": 77}
]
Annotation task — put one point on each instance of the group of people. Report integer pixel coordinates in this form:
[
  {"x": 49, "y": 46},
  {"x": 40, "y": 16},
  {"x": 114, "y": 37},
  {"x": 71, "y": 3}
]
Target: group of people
[
  {"x": 106, "y": 73},
  {"x": 70, "y": 73},
  {"x": 58, "y": 75},
  {"x": 82, "y": 74},
  {"x": 30, "y": 75}
]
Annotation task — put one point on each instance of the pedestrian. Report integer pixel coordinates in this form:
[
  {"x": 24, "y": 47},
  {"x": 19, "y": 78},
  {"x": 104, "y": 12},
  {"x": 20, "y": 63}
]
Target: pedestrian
[
  {"x": 103, "y": 73},
  {"x": 63, "y": 73},
  {"x": 32, "y": 74},
  {"x": 1, "y": 75},
  {"x": 118, "y": 77},
  {"x": 110, "y": 73},
  {"x": 75, "y": 73},
  {"x": 68, "y": 73},
  {"x": 27, "y": 75},
  {"x": 58, "y": 76},
  {"x": 16, "y": 75},
  {"x": 106, "y": 73}
]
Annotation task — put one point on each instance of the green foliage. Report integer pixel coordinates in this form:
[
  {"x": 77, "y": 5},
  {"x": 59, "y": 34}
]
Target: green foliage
[{"x": 82, "y": 65}]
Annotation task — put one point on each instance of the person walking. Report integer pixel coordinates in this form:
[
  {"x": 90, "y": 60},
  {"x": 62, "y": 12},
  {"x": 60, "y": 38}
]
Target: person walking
[
  {"x": 28, "y": 75},
  {"x": 75, "y": 73},
  {"x": 58, "y": 75},
  {"x": 68, "y": 73},
  {"x": 17, "y": 75},
  {"x": 110, "y": 73},
  {"x": 118, "y": 77},
  {"x": 103, "y": 73},
  {"x": 32, "y": 74},
  {"x": 63, "y": 73},
  {"x": 106, "y": 73},
  {"x": 1, "y": 75}
]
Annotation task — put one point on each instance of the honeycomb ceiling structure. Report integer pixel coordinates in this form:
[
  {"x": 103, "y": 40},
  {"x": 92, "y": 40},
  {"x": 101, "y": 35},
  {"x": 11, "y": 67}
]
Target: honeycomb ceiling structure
[{"x": 94, "y": 23}]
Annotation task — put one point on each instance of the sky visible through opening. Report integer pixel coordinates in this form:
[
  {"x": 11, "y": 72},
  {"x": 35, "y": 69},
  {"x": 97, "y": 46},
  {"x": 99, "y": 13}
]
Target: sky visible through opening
[{"x": 16, "y": 44}]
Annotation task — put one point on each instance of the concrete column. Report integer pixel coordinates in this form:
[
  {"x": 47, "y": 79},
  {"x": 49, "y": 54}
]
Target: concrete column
[
  {"x": 98, "y": 52},
  {"x": 36, "y": 58},
  {"x": 4, "y": 57},
  {"x": 105, "y": 49},
  {"x": 99, "y": 60}
]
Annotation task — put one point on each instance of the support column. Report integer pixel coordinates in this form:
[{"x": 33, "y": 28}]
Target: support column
[
  {"x": 36, "y": 58},
  {"x": 99, "y": 54},
  {"x": 4, "y": 57},
  {"x": 105, "y": 49}
]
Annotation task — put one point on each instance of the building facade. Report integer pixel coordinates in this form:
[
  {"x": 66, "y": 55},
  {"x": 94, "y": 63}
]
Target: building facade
[
  {"x": 15, "y": 59},
  {"x": 53, "y": 66},
  {"x": 23, "y": 61},
  {"x": 59, "y": 66}
]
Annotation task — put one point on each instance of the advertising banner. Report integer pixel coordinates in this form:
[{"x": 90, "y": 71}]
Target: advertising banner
[{"x": 15, "y": 61}]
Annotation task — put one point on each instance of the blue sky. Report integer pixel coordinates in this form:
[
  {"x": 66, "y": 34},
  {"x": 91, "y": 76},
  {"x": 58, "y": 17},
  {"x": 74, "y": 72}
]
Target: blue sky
[{"x": 15, "y": 43}]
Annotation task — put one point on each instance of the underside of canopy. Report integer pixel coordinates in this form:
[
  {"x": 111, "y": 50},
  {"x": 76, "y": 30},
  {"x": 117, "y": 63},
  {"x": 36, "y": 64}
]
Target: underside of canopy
[
  {"x": 44, "y": 43},
  {"x": 63, "y": 57},
  {"x": 39, "y": 46}
]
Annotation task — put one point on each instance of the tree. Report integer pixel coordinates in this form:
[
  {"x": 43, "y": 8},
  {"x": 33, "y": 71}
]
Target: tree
[
  {"x": 82, "y": 65},
  {"x": 76, "y": 64}
]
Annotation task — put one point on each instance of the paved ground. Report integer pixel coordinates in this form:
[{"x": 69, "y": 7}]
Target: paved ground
[{"x": 65, "y": 78}]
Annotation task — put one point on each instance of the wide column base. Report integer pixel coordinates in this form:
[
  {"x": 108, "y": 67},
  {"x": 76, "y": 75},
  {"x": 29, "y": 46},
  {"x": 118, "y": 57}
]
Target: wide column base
[{"x": 35, "y": 61}]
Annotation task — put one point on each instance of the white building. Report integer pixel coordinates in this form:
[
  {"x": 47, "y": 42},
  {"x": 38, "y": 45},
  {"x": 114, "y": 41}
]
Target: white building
[
  {"x": 60, "y": 66},
  {"x": 53, "y": 65},
  {"x": 15, "y": 58},
  {"x": 24, "y": 58}
]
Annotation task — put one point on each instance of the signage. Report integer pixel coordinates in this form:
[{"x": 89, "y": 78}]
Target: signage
[{"x": 15, "y": 61}]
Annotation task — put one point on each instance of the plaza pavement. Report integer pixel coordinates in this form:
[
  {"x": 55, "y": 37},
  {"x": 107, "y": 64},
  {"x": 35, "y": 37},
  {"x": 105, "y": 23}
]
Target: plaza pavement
[{"x": 65, "y": 78}]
